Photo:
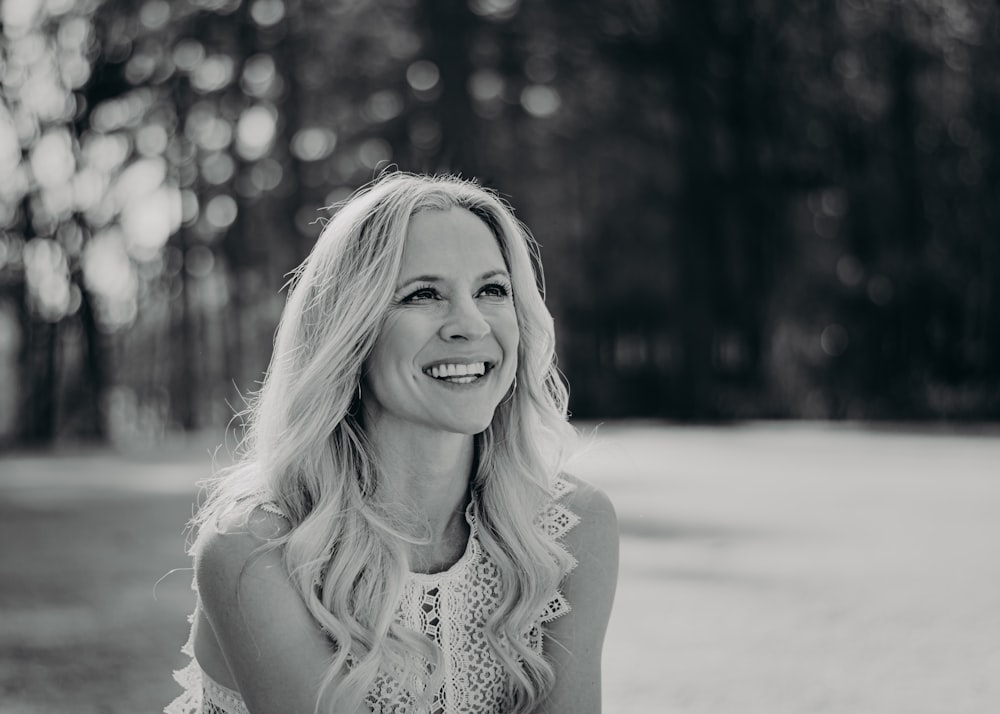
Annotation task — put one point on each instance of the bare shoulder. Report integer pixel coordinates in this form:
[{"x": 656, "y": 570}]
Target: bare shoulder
[
  {"x": 586, "y": 493},
  {"x": 267, "y": 645},
  {"x": 238, "y": 546},
  {"x": 598, "y": 520}
]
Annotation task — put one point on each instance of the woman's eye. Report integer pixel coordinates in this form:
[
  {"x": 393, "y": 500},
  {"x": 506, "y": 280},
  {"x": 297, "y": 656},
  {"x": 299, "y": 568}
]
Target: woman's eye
[
  {"x": 495, "y": 290},
  {"x": 421, "y": 295}
]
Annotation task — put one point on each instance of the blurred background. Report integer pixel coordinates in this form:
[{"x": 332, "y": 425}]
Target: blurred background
[
  {"x": 746, "y": 210},
  {"x": 766, "y": 210}
]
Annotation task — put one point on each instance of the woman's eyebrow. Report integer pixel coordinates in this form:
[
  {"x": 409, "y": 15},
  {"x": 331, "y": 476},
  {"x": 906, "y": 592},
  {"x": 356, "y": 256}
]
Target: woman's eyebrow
[
  {"x": 493, "y": 274},
  {"x": 420, "y": 279},
  {"x": 437, "y": 278}
]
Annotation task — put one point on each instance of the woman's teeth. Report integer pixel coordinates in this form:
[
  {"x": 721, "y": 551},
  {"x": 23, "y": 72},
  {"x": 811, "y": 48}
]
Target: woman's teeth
[{"x": 457, "y": 373}]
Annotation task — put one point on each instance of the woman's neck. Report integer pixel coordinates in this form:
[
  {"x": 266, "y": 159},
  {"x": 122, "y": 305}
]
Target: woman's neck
[{"x": 428, "y": 470}]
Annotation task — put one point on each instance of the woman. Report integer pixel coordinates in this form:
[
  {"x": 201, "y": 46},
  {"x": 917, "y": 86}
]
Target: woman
[{"x": 398, "y": 535}]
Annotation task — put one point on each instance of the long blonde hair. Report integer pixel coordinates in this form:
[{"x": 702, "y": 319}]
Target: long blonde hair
[{"x": 305, "y": 449}]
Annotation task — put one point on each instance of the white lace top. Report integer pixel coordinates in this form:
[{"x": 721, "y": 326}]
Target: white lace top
[{"x": 451, "y": 607}]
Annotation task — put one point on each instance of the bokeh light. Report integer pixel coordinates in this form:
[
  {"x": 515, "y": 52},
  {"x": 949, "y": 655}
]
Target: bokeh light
[
  {"x": 105, "y": 152},
  {"x": 47, "y": 278},
  {"x": 148, "y": 220},
  {"x": 151, "y": 139},
  {"x": 221, "y": 211},
  {"x": 150, "y": 209},
  {"x": 155, "y": 14},
  {"x": 207, "y": 129},
  {"x": 834, "y": 339},
  {"x": 125, "y": 111},
  {"x": 109, "y": 275},
  {"x": 140, "y": 67},
  {"x": 850, "y": 271},
  {"x": 18, "y": 16},
  {"x": 486, "y": 85},
  {"x": 267, "y": 13},
  {"x": 266, "y": 175},
  {"x": 217, "y": 168},
  {"x": 880, "y": 290},
  {"x": 255, "y": 131},
  {"x": 259, "y": 76},
  {"x": 374, "y": 152},
  {"x": 384, "y": 106},
  {"x": 52, "y": 160},
  {"x": 10, "y": 158},
  {"x": 540, "y": 100},
  {"x": 188, "y": 54},
  {"x": 212, "y": 73},
  {"x": 189, "y": 207},
  {"x": 423, "y": 76},
  {"x": 199, "y": 261},
  {"x": 313, "y": 143},
  {"x": 495, "y": 10}
]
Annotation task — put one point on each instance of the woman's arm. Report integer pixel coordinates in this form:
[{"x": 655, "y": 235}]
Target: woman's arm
[
  {"x": 574, "y": 641},
  {"x": 273, "y": 647}
]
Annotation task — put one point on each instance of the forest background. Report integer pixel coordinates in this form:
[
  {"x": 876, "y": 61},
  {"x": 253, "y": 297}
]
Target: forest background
[{"x": 766, "y": 209}]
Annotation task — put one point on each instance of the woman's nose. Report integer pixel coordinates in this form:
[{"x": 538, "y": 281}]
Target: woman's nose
[{"x": 464, "y": 321}]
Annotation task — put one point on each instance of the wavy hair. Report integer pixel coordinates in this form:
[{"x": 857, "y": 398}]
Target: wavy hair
[{"x": 305, "y": 449}]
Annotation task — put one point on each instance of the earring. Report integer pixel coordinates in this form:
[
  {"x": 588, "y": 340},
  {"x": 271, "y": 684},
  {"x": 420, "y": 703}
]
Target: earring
[
  {"x": 355, "y": 403},
  {"x": 510, "y": 393}
]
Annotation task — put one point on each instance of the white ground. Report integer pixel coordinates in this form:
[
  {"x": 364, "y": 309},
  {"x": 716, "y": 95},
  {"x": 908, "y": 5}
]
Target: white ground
[
  {"x": 802, "y": 568},
  {"x": 767, "y": 568}
]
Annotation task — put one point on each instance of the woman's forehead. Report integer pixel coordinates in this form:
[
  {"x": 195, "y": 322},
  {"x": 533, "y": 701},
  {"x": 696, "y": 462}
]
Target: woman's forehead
[{"x": 449, "y": 240}]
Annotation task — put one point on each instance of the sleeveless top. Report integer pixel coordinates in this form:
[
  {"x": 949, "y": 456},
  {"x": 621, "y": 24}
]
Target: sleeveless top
[{"x": 451, "y": 607}]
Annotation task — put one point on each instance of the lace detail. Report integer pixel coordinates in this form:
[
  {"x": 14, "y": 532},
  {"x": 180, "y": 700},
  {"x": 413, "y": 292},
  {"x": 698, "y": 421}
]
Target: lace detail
[
  {"x": 451, "y": 608},
  {"x": 556, "y": 521}
]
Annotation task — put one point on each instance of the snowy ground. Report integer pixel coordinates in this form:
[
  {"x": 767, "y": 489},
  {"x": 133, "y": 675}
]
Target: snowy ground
[
  {"x": 765, "y": 568},
  {"x": 774, "y": 568}
]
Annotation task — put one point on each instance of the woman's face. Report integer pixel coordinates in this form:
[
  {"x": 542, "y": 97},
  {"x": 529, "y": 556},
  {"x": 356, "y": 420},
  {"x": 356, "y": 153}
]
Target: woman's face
[{"x": 447, "y": 351}]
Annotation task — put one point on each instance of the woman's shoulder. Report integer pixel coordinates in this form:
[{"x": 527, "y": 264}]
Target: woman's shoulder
[
  {"x": 274, "y": 652},
  {"x": 583, "y": 520},
  {"x": 587, "y": 592},
  {"x": 256, "y": 523},
  {"x": 238, "y": 542},
  {"x": 587, "y": 501}
]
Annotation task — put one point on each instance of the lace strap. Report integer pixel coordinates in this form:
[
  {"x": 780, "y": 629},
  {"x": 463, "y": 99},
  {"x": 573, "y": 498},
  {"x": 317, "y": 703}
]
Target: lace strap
[
  {"x": 556, "y": 520},
  {"x": 224, "y": 700}
]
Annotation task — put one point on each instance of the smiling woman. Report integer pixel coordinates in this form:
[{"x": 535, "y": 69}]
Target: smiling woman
[
  {"x": 399, "y": 534},
  {"x": 447, "y": 350}
]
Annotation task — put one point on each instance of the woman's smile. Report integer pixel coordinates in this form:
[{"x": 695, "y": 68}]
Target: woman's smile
[{"x": 459, "y": 372}]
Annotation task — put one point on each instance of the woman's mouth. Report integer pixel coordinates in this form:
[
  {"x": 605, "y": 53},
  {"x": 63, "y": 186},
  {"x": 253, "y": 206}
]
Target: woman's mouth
[{"x": 457, "y": 373}]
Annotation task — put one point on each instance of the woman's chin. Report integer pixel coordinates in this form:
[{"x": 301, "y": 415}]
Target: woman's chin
[{"x": 468, "y": 423}]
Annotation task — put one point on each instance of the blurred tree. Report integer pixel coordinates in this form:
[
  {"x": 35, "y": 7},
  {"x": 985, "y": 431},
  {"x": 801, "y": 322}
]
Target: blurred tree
[
  {"x": 47, "y": 87},
  {"x": 777, "y": 209}
]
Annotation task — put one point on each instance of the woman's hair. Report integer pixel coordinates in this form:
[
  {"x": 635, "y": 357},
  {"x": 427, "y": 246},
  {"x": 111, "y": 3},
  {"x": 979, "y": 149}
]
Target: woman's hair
[{"x": 305, "y": 449}]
